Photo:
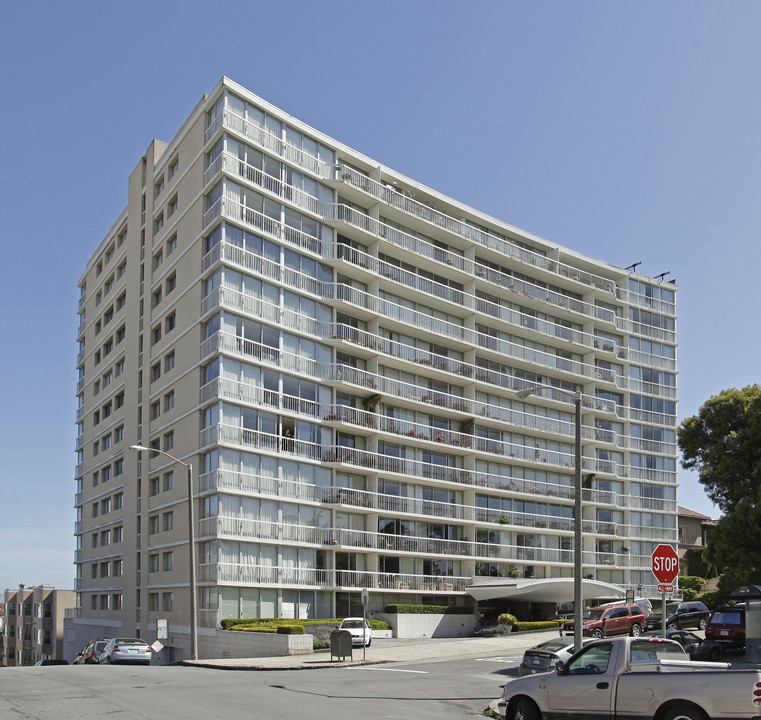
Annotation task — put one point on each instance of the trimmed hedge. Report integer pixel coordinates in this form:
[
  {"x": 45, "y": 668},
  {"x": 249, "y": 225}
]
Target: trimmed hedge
[
  {"x": 290, "y": 629},
  {"x": 541, "y": 625},
  {"x": 401, "y": 609},
  {"x": 272, "y": 624}
]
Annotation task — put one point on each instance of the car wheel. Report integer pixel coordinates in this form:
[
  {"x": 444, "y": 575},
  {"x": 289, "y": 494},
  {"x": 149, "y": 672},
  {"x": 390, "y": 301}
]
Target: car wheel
[
  {"x": 714, "y": 654},
  {"x": 597, "y": 633},
  {"x": 702, "y": 624},
  {"x": 684, "y": 712},
  {"x": 636, "y": 630},
  {"x": 671, "y": 626},
  {"x": 525, "y": 709}
]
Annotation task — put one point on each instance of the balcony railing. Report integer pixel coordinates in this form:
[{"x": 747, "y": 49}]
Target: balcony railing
[
  {"x": 238, "y": 574},
  {"x": 394, "y": 198}
]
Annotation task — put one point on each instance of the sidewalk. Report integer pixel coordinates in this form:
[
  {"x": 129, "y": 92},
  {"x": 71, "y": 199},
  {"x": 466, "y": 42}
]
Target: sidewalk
[{"x": 388, "y": 651}]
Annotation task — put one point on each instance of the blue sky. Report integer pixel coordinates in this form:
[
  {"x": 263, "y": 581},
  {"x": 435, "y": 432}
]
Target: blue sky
[{"x": 629, "y": 131}]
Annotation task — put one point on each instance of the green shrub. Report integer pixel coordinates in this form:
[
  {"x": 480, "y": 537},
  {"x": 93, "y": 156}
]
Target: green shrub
[
  {"x": 400, "y": 608},
  {"x": 290, "y": 629},
  {"x": 539, "y": 625},
  {"x": 507, "y": 619}
]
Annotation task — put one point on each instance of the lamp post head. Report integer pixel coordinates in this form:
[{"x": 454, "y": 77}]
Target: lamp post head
[{"x": 138, "y": 447}]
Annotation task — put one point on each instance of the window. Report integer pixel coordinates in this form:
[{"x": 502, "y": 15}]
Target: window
[
  {"x": 158, "y": 258},
  {"x": 116, "y": 601},
  {"x": 96, "y": 418},
  {"x": 155, "y": 372},
  {"x": 166, "y": 602},
  {"x": 158, "y": 187},
  {"x": 107, "y": 409},
  {"x": 96, "y": 358},
  {"x": 108, "y": 347},
  {"x": 105, "y": 506},
  {"x": 121, "y": 269},
  {"x": 118, "y": 467},
  {"x": 119, "y": 402},
  {"x": 120, "y": 334},
  {"x": 108, "y": 286},
  {"x": 168, "y": 481},
  {"x": 108, "y": 316},
  {"x": 110, "y": 254},
  {"x": 156, "y": 334},
  {"x": 168, "y": 521},
  {"x": 169, "y": 401},
  {"x": 154, "y": 486},
  {"x": 169, "y": 361},
  {"x": 158, "y": 223},
  {"x": 105, "y": 569},
  {"x": 167, "y": 561},
  {"x": 155, "y": 410},
  {"x": 96, "y": 387},
  {"x": 119, "y": 434},
  {"x": 108, "y": 378},
  {"x": 98, "y": 269},
  {"x": 105, "y": 538},
  {"x": 121, "y": 301},
  {"x": 153, "y": 602},
  {"x": 171, "y": 245},
  {"x": 153, "y": 524},
  {"x": 156, "y": 297},
  {"x": 94, "y": 602},
  {"x": 105, "y": 474},
  {"x": 97, "y": 327},
  {"x": 118, "y": 501},
  {"x": 95, "y": 448},
  {"x": 169, "y": 440},
  {"x": 153, "y": 563},
  {"x": 94, "y": 571},
  {"x": 174, "y": 167},
  {"x": 104, "y": 602},
  {"x": 119, "y": 369},
  {"x": 169, "y": 322},
  {"x": 95, "y": 510},
  {"x": 172, "y": 207},
  {"x": 171, "y": 283},
  {"x": 117, "y": 568}
]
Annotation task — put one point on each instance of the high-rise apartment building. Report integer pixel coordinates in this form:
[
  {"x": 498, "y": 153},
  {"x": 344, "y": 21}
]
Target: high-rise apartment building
[{"x": 336, "y": 349}]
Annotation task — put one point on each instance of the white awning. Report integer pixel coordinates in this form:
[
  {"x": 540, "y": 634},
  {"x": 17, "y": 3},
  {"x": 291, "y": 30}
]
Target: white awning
[{"x": 557, "y": 590}]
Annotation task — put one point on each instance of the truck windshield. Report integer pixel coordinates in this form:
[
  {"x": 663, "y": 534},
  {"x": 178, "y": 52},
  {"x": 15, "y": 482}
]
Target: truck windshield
[{"x": 593, "y": 613}]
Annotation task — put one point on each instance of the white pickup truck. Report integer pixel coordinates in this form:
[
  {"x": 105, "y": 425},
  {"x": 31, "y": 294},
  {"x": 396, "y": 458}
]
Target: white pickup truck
[{"x": 627, "y": 678}]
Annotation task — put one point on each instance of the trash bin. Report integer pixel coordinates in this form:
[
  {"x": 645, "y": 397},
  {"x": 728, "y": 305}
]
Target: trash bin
[{"x": 340, "y": 645}]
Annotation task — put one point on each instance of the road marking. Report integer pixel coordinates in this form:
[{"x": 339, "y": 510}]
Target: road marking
[
  {"x": 419, "y": 672},
  {"x": 502, "y": 659}
]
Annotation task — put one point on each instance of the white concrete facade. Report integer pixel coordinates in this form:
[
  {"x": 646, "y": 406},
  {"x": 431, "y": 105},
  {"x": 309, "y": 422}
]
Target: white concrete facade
[{"x": 335, "y": 349}]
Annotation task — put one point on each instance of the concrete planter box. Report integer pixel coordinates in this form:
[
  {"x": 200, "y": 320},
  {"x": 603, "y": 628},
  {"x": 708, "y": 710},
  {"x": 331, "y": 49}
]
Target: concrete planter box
[
  {"x": 411, "y": 625},
  {"x": 239, "y": 644}
]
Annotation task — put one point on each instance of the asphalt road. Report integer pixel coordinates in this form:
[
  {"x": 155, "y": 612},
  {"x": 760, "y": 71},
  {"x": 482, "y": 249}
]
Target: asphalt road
[{"x": 423, "y": 691}]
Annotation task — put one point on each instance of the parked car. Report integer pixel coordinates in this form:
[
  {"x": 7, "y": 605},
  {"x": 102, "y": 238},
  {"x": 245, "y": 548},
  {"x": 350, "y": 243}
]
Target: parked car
[
  {"x": 126, "y": 650},
  {"x": 612, "y": 620},
  {"x": 727, "y": 627},
  {"x": 359, "y": 628},
  {"x": 544, "y": 656},
  {"x": 681, "y": 615},
  {"x": 689, "y": 641},
  {"x": 51, "y": 661},
  {"x": 90, "y": 653}
]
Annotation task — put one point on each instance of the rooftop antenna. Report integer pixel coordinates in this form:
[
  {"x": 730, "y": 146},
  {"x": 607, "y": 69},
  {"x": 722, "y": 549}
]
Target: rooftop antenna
[
  {"x": 662, "y": 276},
  {"x": 633, "y": 266}
]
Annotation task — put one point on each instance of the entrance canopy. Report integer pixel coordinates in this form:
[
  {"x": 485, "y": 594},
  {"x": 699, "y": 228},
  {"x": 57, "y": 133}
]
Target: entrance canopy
[{"x": 555, "y": 590}]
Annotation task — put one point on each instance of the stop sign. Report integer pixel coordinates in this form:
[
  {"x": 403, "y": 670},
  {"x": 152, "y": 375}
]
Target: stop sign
[{"x": 665, "y": 564}]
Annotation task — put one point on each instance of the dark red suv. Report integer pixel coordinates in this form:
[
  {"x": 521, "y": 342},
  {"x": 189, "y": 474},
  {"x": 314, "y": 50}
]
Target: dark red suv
[
  {"x": 611, "y": 620},
  {"x": 727, "y": 627}
]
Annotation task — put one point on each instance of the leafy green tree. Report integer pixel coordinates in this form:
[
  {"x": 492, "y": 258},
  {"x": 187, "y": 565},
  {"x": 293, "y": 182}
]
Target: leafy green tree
[{"x": 723, "y": 444}]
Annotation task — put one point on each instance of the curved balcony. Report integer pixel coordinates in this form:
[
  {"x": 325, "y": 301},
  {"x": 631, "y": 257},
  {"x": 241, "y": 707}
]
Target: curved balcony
[
  {"x": 391, "y": 196},
  {"x": 239, "y": 574}
]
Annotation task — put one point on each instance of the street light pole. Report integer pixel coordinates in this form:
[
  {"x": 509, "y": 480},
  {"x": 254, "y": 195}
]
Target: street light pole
[
  {"x": 578, "y": 602},
  {"x": 192, "y": 548}
]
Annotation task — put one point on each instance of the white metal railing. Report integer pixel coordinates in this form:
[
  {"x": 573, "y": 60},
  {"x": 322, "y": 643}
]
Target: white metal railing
[
  {"x": 237, "y": 573},
  {"x": 393, "y": 197}
]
